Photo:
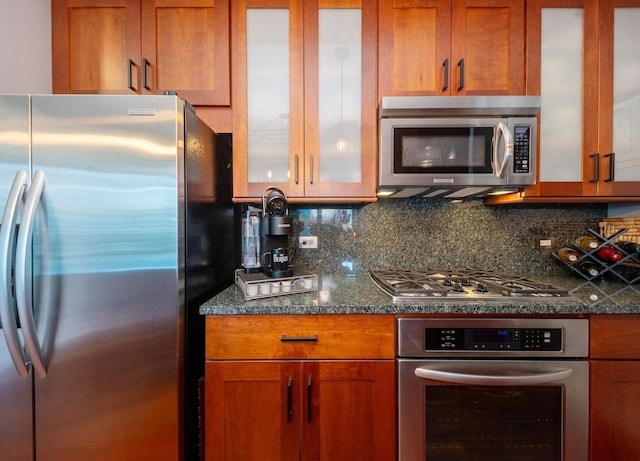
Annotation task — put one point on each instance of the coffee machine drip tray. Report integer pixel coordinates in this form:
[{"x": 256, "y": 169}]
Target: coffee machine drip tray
[{"x": 260, "y": 285}]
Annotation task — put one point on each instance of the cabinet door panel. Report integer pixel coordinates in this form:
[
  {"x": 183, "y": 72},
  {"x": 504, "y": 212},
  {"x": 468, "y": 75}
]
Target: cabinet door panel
[
  {"x": 187, "y": 46},
  {"x": 415, "y": 46},
  {"x": 268, "y": 126},
  {"x": 352, "y": 410},
  {"x": 246, "y": 413},
  {"x": 340, "y": 99},
  {"x": 92, "y": 44},
  {"x": 615, "y": 399},
  {"x": 489, "y": 36},
  {"x": 619, "y": 102}
]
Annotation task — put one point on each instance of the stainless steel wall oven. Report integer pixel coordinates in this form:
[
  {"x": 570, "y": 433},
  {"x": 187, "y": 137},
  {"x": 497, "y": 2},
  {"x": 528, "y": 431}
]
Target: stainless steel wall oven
[{"x": 493, "y": 389}]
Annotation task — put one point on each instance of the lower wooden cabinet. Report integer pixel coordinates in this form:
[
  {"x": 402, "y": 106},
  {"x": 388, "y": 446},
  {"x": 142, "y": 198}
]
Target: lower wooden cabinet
[
  {"x": 615, "y": 387},
  {"x": 300, "y": 402},
  {"x": 309, "y": 410}
]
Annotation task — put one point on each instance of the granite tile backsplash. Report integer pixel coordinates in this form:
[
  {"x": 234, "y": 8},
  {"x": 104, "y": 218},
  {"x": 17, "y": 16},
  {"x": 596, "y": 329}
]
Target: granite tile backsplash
[{"x": 432, "y": 233}]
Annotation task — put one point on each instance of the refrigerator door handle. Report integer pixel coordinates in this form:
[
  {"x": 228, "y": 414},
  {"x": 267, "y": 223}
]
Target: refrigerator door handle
[
  {"x": 7, "y": 242},
  {"x": 24, "y": 298}
]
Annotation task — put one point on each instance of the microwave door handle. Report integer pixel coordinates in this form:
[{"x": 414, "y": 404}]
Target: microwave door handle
[
  {"x": 502, "y": 130},
  {"x": 494, "y": 379}
]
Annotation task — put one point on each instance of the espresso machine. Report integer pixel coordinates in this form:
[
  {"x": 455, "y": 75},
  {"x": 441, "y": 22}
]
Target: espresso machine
[
  {"x": 265, "y": 236},
  {"x": 265, "y": 251}
]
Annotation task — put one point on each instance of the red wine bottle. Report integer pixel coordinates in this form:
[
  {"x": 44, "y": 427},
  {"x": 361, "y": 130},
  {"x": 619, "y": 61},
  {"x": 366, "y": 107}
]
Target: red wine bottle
[{"x": 609, "y": 254}]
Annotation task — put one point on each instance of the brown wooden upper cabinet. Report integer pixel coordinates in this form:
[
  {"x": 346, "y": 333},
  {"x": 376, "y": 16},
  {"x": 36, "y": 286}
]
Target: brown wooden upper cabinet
[
  {"x": 451, "y": 47},
  {"x": 143, "y": 47},
  {"x": 304, "y": 99},
  {"x": 582, "y": 58}
]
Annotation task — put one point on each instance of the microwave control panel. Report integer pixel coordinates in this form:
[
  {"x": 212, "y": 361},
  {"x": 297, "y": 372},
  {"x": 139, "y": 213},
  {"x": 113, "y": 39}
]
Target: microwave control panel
[
  {"x": 521, "y": 148},
  {"x": 493, "y": 339}
]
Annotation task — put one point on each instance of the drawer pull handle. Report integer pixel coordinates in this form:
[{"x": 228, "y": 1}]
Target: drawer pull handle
[{"x": 299, "y": 339}]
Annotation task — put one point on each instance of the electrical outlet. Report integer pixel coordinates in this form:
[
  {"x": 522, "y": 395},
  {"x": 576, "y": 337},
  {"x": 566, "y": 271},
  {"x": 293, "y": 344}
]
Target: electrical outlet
[
  {"x": 545, "y": 243},
  {"x": 307, "y": 241}
]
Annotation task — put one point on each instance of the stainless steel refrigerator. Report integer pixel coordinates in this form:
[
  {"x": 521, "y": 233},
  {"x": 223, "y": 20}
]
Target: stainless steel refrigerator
[{"x": 117, "y": 223}]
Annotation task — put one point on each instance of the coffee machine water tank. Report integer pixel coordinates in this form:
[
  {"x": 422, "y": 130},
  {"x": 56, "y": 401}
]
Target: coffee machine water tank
[{"x": 251, "y": 241}]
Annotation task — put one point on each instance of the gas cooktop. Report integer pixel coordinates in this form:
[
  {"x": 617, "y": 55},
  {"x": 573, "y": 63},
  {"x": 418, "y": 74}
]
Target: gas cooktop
[{"x": 474, "y": 285}]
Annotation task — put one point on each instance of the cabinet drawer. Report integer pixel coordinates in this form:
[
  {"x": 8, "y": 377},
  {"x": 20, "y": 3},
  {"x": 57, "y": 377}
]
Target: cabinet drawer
[
  {"x": 614, "y": 336},
  {"x": 300, "y": 337}
]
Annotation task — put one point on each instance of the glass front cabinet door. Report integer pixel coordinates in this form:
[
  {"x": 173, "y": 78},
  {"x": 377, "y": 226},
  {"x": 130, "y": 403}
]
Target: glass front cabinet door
[
  {"x": 619, "y": 111},
  {"x": 583, "y": 61},
  {"x": 304, "y": 98}
]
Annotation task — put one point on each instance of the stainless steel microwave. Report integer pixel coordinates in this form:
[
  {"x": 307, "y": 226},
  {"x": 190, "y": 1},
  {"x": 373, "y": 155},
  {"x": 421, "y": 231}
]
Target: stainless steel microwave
[{"x": 457, "y": 146}]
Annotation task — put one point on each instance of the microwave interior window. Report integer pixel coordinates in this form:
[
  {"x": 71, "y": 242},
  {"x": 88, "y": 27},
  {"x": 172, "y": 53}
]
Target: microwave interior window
[
  {"x": 494, "y": 422},
  {"x": 443, "y": 150}
]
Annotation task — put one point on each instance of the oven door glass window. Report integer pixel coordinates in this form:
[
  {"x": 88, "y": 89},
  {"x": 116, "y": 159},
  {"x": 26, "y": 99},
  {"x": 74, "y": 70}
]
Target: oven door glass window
[
  {"x": 443, "y": 150},
  {"x": 494, "y": 423}
]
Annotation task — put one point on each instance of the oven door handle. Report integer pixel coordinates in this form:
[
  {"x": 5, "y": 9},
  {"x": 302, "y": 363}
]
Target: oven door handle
[{"x": 510, "y": 378}]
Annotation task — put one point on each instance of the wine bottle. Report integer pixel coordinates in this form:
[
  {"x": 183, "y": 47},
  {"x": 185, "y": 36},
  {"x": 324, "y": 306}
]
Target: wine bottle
[
  {"x": 587, "y": 243},
  {"x": 568, "y": 255},
  {"x": 590, "y": 268},
  {"x": 629, "y": 247},
  {"x": 609, "y": 254}
]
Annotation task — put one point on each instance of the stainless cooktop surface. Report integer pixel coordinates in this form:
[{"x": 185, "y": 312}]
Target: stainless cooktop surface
[{"x": 425, "y": 285}]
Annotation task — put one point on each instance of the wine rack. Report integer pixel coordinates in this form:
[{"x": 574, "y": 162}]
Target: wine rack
[{"x": 626, "y": 269}]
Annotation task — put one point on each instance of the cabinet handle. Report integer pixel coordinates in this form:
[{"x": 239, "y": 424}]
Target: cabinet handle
[
  {"x": 612, "y": 166},
  {"x": 461, "y": 74},
  {"x": 289, "y": 399},
  {"x": 309, "y": 399},
  {"x": 310, "y": 169},
  {"x": 299, "y": 339},
  {"x": 295, "y": 167},
  {"x": 445, "y": 83},
  {"x": 596, "y": 167},
  {"x": 145, "y": 67},
  {"x": 130, "y": 75}
]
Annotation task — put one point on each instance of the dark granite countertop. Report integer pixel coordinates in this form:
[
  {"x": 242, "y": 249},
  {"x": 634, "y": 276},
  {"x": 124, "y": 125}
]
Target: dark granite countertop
[{"x": 357, "y": 294}]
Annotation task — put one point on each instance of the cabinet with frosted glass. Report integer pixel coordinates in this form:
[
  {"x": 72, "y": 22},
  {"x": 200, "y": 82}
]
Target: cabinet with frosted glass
[
  {"x": 583, "y": 61},
  {"x": 304, "y": 98}
]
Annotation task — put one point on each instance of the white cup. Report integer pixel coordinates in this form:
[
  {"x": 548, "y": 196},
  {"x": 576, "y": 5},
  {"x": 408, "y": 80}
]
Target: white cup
[
  {"x": 252, "y": 289},
  {"x": 308, "y": 283},
  {"x": 286, "y": 285},
  {"x": 324, "y": 295},
  {"x": 275, "y": 287},
  {"x": 265, "y": 288}
]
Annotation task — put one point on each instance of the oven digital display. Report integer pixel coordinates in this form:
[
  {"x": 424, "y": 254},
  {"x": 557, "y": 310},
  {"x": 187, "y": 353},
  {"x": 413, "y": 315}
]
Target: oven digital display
[
  {"x": 493, "y": 339},
  {"x": 500, "y": 336}
]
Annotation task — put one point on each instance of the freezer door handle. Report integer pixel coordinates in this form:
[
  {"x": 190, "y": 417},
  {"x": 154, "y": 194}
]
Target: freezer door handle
[
  {"x": 7, "y": 242},
  {"x": 24, "y": 298}
]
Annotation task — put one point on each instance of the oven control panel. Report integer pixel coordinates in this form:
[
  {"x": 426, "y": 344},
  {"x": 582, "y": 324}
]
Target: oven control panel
[{"x": 493, "y": 339}]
